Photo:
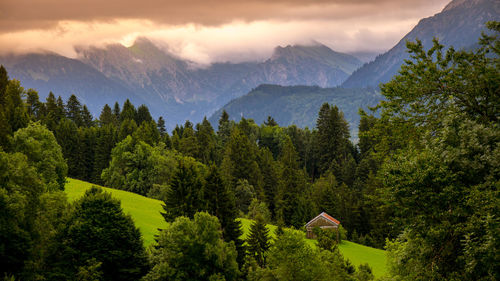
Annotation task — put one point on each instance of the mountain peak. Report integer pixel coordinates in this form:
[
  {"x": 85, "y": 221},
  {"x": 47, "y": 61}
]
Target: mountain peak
[{"x": 463, "y": 4}]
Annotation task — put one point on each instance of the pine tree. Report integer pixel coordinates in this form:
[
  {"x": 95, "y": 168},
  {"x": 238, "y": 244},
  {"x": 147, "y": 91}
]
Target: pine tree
[
  {"x": 240, "y": 160},
  {"x": 105, "y": 142},
  {"x": 270, "y": 122},
  {"x": 188, "y": 144},
  {"x": 161, "y": 126},
  {"x": 128, "y": 112},
  {"x": 74, "y": 110},
  {"x": 66, "y": 133},
  {"x": 34, "y": 105},
  {"x": 106, "y": 116},
  {"x": 332, "y": 139},
  {"x": 258, "y": 241},
  {"x": 224, "y": 129},
  {"x": 184, "y": 194},
  {"x": 219, "y": 201},
  {"x": 87, "y": 118},
  {"x": 206, "y": 139},
  {"x": 116, "y": 112},
  {"x": 127, "y": 128},
  {"x": 143, "y": 115},
  {"x": 60, "y": 112}
]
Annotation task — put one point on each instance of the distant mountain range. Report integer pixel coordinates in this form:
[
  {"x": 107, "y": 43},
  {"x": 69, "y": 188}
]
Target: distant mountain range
[
  {"x": 298, "y": 105},
  {"x": 458, "y": 25},
  {"x": 178, "y": 89},
  {"x": 170, "y": 86}
]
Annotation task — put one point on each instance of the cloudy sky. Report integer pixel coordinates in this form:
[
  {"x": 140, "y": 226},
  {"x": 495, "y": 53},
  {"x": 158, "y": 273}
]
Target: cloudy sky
[{"x": 210, "y": 30}]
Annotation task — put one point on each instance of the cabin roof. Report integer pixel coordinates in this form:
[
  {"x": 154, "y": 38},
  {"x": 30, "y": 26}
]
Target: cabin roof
[{"x": 326, "y": 216}]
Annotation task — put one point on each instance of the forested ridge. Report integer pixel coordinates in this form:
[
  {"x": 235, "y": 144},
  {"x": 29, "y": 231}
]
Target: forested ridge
[{"x": 422, "y": 182}]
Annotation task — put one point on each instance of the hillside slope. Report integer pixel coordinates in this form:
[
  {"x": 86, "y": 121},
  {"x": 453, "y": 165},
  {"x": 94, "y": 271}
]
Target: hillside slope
[
  {"x": 459, "y": 25},
  {"x": 298, "y": 105},
  {"x": 146, "y": 214}
]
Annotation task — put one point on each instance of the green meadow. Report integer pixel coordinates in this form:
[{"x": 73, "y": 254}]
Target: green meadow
[{"x": 146, "y": 214}]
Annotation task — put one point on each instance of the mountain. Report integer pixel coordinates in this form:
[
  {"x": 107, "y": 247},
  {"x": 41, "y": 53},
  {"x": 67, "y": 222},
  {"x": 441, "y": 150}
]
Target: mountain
[
  {"x": 298, "y": 105},
  {"x": 63, "y": 76},
  {"x": 459, "y": 24},
  {"x": 172, "y": 87}
]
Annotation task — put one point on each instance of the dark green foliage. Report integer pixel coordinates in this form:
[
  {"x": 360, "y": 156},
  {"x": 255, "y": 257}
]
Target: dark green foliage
[
  {"x": 161, "y": 126},
  {"x": 147, "y": 133},
  {"x": 220, "y": 202},
  {"x": 44, "y": 153},
  {"x": 98, "y": 231},
  {"x": 258, "y": 241},
  {"x": 292, "y": 206},
  {"x": 240, "y": 160},
  {"x": 87, "y": 119},
  {"x": 193, "y": 250},
  {"x": 106, "y": 116},
  {"x": 436, "y": 80},
  {"x": 332, "y": 140},
  {"x": 184, "y": 193},
  {"x": 270, "y": 175},
  {"x": 20, "y": 188},
  {"x": 188, "y": 143},
  {"x": 127, "y": 128},
  {"x": 131, "y": 167},
  {"x": 13, "y": 115},
  {"x": 128, "y": 112},
  {"x": 35, "y": 107},
  {"x": 143, "y": 114},
  {"x": 105, "y": 141},
  {"x": 74, "y": 110},
  {"x": 224, "y": 129},
  {"x": 207, "y": 142},
  {"x": 443, "y": 192},
  {"x": 66, "y": 133},
  {"x": 443, "y": 186},
  {"x": 290, "y": 258},
  {"x": 116, "y": 111}
]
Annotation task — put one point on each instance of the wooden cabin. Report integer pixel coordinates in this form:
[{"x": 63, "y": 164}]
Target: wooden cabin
[{"x": 323, "y": 221}]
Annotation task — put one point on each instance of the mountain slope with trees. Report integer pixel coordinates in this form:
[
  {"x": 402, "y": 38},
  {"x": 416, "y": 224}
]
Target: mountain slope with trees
[
  {"x": 459, "y": 24},
  {"x": 298, "y": 105}
]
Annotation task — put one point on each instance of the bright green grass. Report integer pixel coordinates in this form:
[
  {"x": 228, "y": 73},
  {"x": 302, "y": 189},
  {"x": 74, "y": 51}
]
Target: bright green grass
[
  {"x": 146, "y": 214},
  {"x": 144, "y": 211},
  {"x": 356, "y": 253}
]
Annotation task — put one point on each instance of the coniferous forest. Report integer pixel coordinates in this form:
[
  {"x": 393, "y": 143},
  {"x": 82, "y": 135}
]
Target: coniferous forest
[{"x": 422, "y": 182}]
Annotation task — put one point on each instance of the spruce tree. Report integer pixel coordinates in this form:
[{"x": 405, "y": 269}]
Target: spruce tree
[
  {"x": 116, "y": 112},
  {"x": 206, "y": 139},
  {"x": 128, "y": 112},
  {"x": 74, "y": 110},
  {"x": 258, "y": 241},
  {"x": 143, "y": 115},
  {"x": 224, "y": 129},
  {"x": 219, "y": 201},
  {"x": 106, "y": 140},
  {"x": 87, "y": 118},
  {"x": 183, "y": 197},
  {"x": 161, "y": 126},
  {"x": 332, "y": 139},
  {"x": 98, "y": 229},
  {"x": 106, "y": 116}
]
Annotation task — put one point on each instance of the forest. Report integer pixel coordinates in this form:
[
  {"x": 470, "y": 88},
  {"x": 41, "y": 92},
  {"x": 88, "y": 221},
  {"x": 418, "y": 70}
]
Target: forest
[{"x": 422, "y": 182}]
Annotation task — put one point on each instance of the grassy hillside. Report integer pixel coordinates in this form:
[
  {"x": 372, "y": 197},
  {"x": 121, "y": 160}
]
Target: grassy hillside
[
  {"x": 144, "y": 211},
  {"x": 356, "y": 253},
  {"x": 146, "y": 214}
]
